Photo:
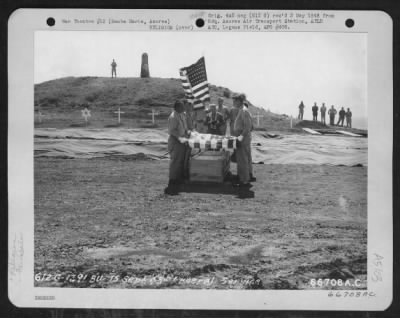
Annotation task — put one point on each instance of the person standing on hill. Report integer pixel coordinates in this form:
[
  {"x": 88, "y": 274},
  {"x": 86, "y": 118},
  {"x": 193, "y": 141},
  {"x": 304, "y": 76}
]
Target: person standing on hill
[
  {"x": 178, "y": 133},
  {"x": 348, "y": 118},
  {"x": 332, "y": 113},
  {"x": 242, "y": 130},
  {"x": 315, "y": 112},
  {"x": 342, "y": 113},
  {"x": 323, "y": 111},
  {"x": 113, "y": 69},
  {"x": 301, "y": 110}
]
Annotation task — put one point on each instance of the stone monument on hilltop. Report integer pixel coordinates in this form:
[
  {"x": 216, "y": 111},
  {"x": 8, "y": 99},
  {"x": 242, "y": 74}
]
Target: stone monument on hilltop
[{"x": 144, "y": 71}]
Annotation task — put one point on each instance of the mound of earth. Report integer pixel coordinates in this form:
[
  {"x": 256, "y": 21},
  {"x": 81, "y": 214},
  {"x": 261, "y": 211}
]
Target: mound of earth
[{"x": 135, "y": 96}]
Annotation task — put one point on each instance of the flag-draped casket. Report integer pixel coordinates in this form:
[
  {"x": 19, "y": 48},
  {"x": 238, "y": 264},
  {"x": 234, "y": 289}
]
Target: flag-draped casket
[
  {"x": 212, "y": 164},
  {"x": 211, "y": 142}
]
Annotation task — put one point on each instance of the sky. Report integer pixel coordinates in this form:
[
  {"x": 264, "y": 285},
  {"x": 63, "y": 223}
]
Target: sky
[{"x": 276, "y": 70}]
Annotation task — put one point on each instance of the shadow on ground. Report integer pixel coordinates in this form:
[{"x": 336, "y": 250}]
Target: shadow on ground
[{"x": 217, "y": 188}]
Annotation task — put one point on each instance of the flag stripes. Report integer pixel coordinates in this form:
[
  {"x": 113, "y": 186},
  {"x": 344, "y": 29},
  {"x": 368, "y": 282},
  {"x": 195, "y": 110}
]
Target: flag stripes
[
  {"x": 195, "y": 84},
  {"x": 211, "y": 142}
]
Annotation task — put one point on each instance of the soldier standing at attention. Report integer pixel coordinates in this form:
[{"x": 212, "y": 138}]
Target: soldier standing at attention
[
  {"x": 301, "y": 110},
  {"x": 232, "y": 117},
  {"x": 214, "y": 120},
  {"x": 178, "y": 134},
  {"x": 342, "y": 113},
  {"x": 242, "y": 129},
  {"x": 252, "y": 177},
  {"x": 332, "y": 113},
  {"x": 224, "y": 111},
  {"x": 113, "y": 69},
  {"x": 323, "y": 111},
  {"x": 189, "y": 118},
  {"x": 348, "y": 118},
  {"x": 314, "y": 112}
]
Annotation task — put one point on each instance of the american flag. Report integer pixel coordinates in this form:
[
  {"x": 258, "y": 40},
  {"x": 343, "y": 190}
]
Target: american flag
[
  {"x": 211, "y": 142},
  {"x": 195, "y": 84}
]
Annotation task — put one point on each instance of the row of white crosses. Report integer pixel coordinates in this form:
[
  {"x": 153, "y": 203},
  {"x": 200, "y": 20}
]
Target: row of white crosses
[
  {"x": 258, "y": 116},
  {"x": 86, "y": 114}
]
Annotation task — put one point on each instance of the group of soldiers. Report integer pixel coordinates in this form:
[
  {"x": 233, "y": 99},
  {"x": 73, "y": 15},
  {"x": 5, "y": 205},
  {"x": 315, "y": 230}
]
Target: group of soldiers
[
  {"x": 218, "y": 120},
  {"x": 331, "y": 112}
]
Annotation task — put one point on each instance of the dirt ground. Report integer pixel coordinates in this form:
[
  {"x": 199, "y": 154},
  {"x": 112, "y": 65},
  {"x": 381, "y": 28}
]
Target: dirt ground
[{"x": 106, "y": 223}]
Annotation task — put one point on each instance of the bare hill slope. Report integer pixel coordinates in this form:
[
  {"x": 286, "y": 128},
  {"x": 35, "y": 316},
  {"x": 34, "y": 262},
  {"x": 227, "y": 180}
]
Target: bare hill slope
[{"x": 61, "y": 100}]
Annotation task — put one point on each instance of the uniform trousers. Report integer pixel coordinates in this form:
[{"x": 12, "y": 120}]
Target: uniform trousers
[
  {"x": 243, "y": 155},
  {"x": 177, "y": 153}
]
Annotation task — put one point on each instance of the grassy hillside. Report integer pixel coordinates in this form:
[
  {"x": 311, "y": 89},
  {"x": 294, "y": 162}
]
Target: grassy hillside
[{"x": 62, "y": 100}]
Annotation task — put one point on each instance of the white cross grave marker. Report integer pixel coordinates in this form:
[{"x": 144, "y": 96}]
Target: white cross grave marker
[
  {"x": 258, "y": 116},
  {"x": 86, "y": 114},
  {"x": 40, "y": 116},
  {"x": 119, "y": 114},
  {"x": 153, "y": 113}
]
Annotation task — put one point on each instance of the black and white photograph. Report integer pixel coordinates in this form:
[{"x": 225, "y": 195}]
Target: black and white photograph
[
  {"x": 200, "y": 159},
  {"x": 224, "y": 161}
]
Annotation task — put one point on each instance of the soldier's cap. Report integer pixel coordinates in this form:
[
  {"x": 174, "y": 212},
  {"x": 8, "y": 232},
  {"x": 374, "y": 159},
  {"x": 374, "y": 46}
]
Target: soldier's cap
[
  {"x": 212, "y": 106},
  {"x": 177, "y": 104},
  {"x": 220, "y": 98},
  {"x": 240, "y": 97}
]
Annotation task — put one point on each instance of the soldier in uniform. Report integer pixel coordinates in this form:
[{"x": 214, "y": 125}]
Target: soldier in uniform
[
  {"x": 315, "y": 112},
  {"x": 189, "y": 115},
  {"x": 301, "y": 110},
  {"x": 200, "y": 118},
  {"x": 342, "y": 113},
  {"x": 242, "y": 129},
  {"x": 232, "y": 117},
  {"x": 190, "y": 124},
  {"x": 113, "y": 69},
  {"x": 348, "y": 118},
  {"x": 224, "y": 111},
  {"x": 323, "y": 112},
  {"x": 178, "y": 133},
  {"x": 252, "y": 177},
  {"x": 332, "y": 113},
  {"x": 214, "y": 120}
]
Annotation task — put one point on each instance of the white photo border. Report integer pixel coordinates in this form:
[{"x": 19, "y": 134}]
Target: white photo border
[{"x": 22, "y": 25}]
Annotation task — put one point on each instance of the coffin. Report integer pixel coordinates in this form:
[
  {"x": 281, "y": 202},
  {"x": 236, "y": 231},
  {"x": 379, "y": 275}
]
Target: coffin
[{"x": 209, "y": 166}]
